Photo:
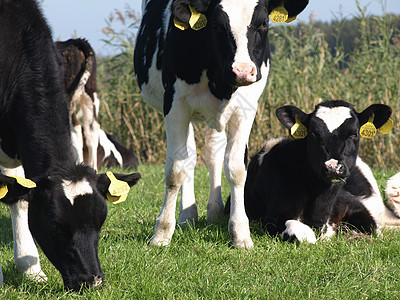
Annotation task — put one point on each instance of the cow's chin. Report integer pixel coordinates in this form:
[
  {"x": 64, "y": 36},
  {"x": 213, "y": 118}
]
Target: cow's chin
[{"x": 243, "y": 83}]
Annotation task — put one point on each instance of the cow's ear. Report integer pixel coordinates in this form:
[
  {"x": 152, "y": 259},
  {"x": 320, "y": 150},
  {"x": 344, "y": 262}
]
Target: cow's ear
[
  {"x": 180, "y": 9},
  {"x": 378, "y": 114},
  {"x": 287, "y": 115},
  {"x": 114, "y": 186},
  {"x": 294, "y": 7},
  {"x": 13, "y": 188},
  {"x": 291, "y": 7},
  {"x": 190, "y": 13}
]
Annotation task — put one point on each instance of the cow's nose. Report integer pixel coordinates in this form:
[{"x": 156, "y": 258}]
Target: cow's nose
[
  {"x": 334, "y": 167},
  {"x": 245, "y": 73}
]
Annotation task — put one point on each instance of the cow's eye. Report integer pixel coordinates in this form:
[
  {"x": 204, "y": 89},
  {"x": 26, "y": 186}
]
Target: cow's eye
[{"x": 352, "y": 137}]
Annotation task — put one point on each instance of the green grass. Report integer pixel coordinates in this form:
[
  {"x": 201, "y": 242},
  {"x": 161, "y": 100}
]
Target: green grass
[{"x": 201, "y": 264}]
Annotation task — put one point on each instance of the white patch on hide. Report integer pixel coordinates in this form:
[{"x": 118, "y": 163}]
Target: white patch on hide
[
  {"x": 333, "y": 117},
  {"x": 75, "y": 189}
]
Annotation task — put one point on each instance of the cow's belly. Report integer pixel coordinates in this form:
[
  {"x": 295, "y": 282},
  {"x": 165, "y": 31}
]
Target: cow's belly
[
  {"x": 153, "y": 91},
  {"x": 204, "y": 106}
]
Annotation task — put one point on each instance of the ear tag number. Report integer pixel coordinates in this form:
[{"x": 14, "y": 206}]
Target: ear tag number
[
  {"x": 279, "y": 14},
  {"x": 180, "y": 25},
  {"x": 25, "y": 182},
  {"x": 197, "y": 20},
  {"x": 118, "y": 189},
  {"x": 385, "y": 128},
  {"x": 298, "y": 130},
  {"x": 291, "y": 19},
  {"x": 3, "y": 191},
  {"x": 368, "y": 130}
]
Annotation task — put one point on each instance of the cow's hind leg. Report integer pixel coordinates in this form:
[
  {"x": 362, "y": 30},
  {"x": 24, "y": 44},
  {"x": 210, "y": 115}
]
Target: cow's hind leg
[
  {"x": 188, "y": 207},
  {"x": 26, "y": 255},
  {"x": 215, "y": 143},
  {"x": 176, "y": 168}
]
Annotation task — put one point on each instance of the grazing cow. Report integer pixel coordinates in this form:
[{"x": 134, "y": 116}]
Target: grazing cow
[
  {"x": 66, "y": 201},
  {"x": 317, "y": 181},
  {"x": 81, "y": 87},
  {"x": 205, "y": 60}
]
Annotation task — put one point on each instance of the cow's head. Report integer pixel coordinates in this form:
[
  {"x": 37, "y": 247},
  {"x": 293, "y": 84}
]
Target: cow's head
[
  {"x": 332, "y": 133},
  {"x": 236, "y": 32},
  {"x": 66, "y": 212}
]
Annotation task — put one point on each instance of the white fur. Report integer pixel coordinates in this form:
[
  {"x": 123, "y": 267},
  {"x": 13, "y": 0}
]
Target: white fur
[
  {"x": 77, "y": 143},
  {"x": 393, "y": 193},
  {"x": 109, "y": 147},
  {"x": 75, "y": 189},
  {"x": 382, "y": 215},
  {"x": 333, "y": 117},
  {"x": 240, "y": 14},
  {"x": 301, "y": 231},
  {"x": 26, "y": 255}
]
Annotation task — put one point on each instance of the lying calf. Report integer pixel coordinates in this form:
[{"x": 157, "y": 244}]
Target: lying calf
[{"x": 317, "y": 180}]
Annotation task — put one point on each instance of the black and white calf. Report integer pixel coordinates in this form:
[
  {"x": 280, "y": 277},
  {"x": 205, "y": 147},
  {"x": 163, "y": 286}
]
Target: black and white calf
[
  {"x": 205, "y": 60},
  {"x": 319, "y": 181},
  {"x": 67, "y": 207}
]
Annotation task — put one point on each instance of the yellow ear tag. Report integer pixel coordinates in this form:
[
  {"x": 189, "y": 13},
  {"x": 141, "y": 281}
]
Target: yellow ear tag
[
  {"x": 197, "y": 20},
  {"x": 385, "y": 128},
  {"x": 279, "y": 14},
  {"x": 3, "y": 191},
  {"x": 368, "y": 130},
  {"x": 118, "y": 189},
  {"x": 291, "y": 19},
  {"x": 180, "y": 25},
  {"x": 298, "y": 130},
  {"x": 25, "y": 182}
]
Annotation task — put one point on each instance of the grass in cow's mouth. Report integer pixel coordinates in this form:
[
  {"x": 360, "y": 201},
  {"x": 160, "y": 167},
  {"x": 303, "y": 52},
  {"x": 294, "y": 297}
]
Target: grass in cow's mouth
[{"x": 200, "y": 262}]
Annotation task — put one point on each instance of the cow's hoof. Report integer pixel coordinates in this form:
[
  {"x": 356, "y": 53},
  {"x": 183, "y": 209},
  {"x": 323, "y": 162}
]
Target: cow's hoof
[
  {"x": 215, "y": 210},
  {"x": 38, "y": 277},
  {"x": 159, "y": 242},
  {"x": 242, "y": 244},
  {"x": 188, "y": 216}
]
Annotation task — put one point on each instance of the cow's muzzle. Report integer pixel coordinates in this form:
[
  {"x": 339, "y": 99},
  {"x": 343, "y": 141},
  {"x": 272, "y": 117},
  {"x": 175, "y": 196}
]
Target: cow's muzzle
[
  {"x": 335, "y": 170},
  {"x": 245, "y": 73}
]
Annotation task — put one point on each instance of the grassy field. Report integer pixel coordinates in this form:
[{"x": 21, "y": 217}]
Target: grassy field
[{"x": 201, "y": 264}]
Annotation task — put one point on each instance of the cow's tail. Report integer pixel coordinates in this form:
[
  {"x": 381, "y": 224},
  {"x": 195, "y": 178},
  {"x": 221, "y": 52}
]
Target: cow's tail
[{"x": 89, "y": 65}]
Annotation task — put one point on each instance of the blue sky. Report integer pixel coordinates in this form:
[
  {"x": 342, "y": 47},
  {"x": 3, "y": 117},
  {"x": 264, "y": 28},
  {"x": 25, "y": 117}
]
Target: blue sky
[{"x": 87, "y": 17}]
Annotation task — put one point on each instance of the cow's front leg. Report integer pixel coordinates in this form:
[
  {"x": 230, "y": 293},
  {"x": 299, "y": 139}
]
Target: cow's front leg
[
  {"x": 188, "y": 207},
  {"x": 239, "y": 127},
  {"x": 176, "y": 168},
  {"x": 215, "y": 143},
  {"x": 26, "y": 255}
]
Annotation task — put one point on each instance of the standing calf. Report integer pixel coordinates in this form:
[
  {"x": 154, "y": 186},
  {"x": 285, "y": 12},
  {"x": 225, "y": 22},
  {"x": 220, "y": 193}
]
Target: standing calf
[
  {"x": 205, "y": 60},
  {"x": 318, "y": 181}
]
